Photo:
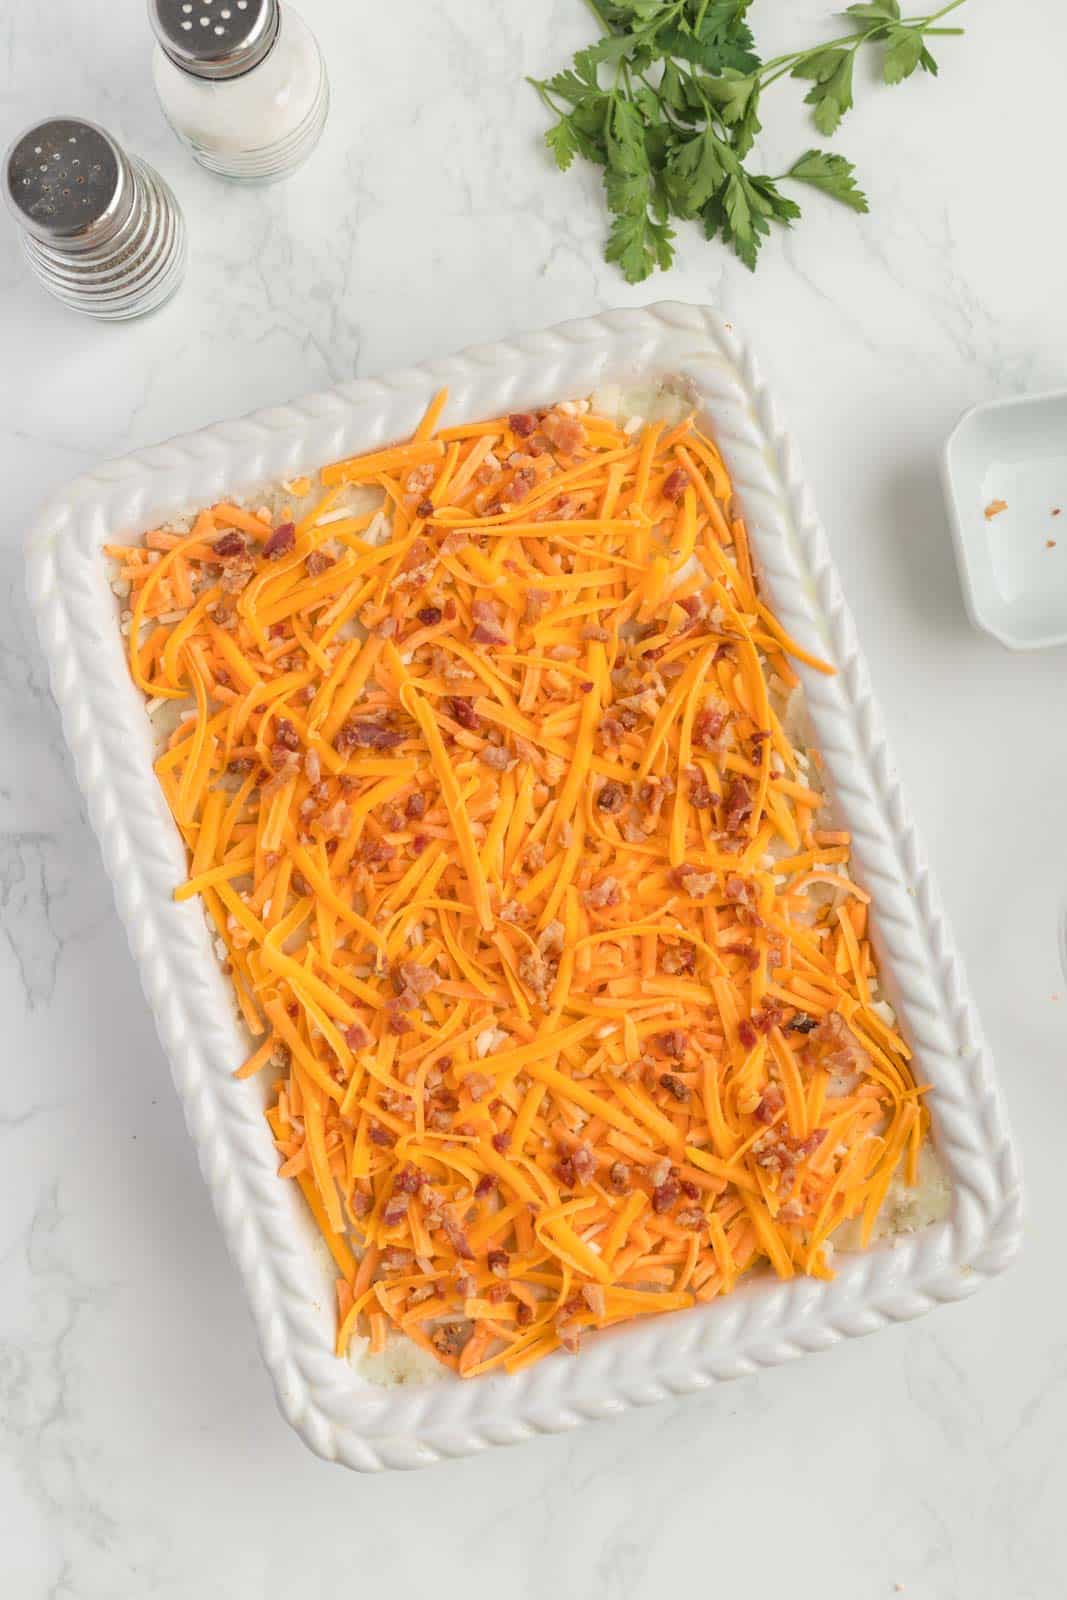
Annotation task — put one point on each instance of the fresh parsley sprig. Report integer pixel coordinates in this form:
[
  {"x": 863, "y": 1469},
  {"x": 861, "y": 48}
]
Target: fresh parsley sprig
[{"x": 667, "y": 102}]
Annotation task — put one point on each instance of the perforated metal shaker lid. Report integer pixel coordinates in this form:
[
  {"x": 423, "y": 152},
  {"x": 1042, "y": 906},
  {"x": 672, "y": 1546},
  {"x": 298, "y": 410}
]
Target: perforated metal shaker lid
[
  {"x": 67, "y": 182},
  {"x": 215, "y": 38}
]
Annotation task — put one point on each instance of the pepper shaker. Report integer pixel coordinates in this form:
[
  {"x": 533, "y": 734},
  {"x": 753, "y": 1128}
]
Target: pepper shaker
[
  {"x": 101, "y": 230},
  {"x": 241, "y": 82}
]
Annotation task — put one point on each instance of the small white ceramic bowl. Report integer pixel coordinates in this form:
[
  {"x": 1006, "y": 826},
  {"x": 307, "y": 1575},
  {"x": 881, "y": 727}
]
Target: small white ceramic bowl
[{"x": 1013, "y": 562}]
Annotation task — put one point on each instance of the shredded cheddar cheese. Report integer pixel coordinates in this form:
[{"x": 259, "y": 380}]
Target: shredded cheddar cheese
[{"x": 563, "y": 989}]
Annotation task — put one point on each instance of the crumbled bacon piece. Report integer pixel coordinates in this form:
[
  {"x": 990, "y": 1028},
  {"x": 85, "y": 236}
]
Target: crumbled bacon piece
[
  {"x": 565, "y": 432},
  {"x": 498, "y": 1262},
  {"x": 675, "y": 1087},
  {"x": 678, "y": 960},
  {"x": 708, "y": 725},
  {"x": 407, "y": 1180},
  {"x": 366, "y": 734},
  {"x": 230, "y": 545},
  {"x": 381, "y": 1136},
  {"x": 696, "y": 884},
  {"x": 522, "y": 423},
  {"x": 280, "y": 542},
  {"x": 487, "y": 627},
  {"x": 671, "y": 1043},
  {"x": 396, "y": 1017},
  {"x": 286, "y": 734},
  {"x": 356, "y": 1036},
  {"x": 457, "y": 1238},
  {"x": 771, "y": 1102},
  {"x": 535, "y": 602},
  {"x": 584, "y": 1162},
  {"x": 665, "y": 1195},
  {"x": 464, "y": 713},
  {"x": 501, "y": 1142},
  {"x": 746, "y": 1033},
  {"x": 395, "y": 1210},
  {"x": 690, "y": 1217},
  {"x": 495, "y": 756},
  {"x": 429, "y": 616},
  {"x": 319, "y": 562},
  {"x": 485, "y": 1185},
  {"x": 738, "y": 805},
  {"x": 619, "y": 1177},
  {"x": 611, "y": 798},
  {"x": 700, "y": 795},
  {"x": 521, "y": 484},
  {"x": 605, "y": 893},
  {"x": 450, "y": 1338},
  {"x": 674, "y": 484},
  {"x": 801, "y": 1023},
  {"x": 414, "y": 978}
]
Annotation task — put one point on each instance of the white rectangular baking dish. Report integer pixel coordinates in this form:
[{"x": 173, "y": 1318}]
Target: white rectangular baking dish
[{"x": 289, "y": 1286}]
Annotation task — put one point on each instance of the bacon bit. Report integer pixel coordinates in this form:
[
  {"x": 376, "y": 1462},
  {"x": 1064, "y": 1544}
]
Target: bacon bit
[
  {"x": 498, "y": 1262},
  {"x": 395, "y": 1210},
  {"x": 457, "y": 1238},
  {"x": 380, "y": 1136},
  {"x": 708, "y": 726},
  {"x": 671, "y": 1043},
  {"x": 425, "y": 508},
  {"x": 700, "y": 796},
  {"x": 412, "y": 977},
  {"x": 603, "y": 894},
  {"x": 281, "y": 541},
  {"x": 230, "y": 545},
  {"x": 356, "y": 1036},
  {"x": 566, "y": 433},
  {"x": 678, "y": 960},
  {"x": 521, "y": 484},
  {"x": 665, "y": 1195},
  {"x": 407, "y": 1180},
  {"x": 487, "y": 629},
  {"x": 691, "y": 1217},
  {"x": 464, "y": 713},
  {"x": 495, "y": 756},
  {"x": 674, "y": 1086},
  {"x": 535, "y": 602},
  {"x": 696, "y": 884},
  {"x": 319, "y": 562},
  {"x": 595, "y": 1298},
  {"x": 619, "y": 1177},
  {"x": 611, "y": 798},
  {"x": 430, "y": 616},
  {"x": 501, "y": 1142},
  {"x": 771, "y": 1102},
  {"x": 366, "y": 735},
  {"x": 801, "y": 1023},
  {"x": 738, "y": 805},
  {"x": 450, "y": 1338},
  {"x": 583, "y": 1162},
  {"x": 674, "y": 485},
  {"x": 746, "y": 1033},
  {"x": 485, "y": 1186},
  {"x": 522, "y": 424}
]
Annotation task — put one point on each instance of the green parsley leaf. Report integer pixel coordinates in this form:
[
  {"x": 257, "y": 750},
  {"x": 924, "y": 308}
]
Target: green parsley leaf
[
  {"x": 832, "y": 96},
  {"x": 639, "y": 244},
  {"x": 876, "y": 11},
  {"x": 562, "y": 143},
  {"x": 832, "y": 174},
  {"x": 904, "y": 49},
  {"x": 694, "y": 171}
]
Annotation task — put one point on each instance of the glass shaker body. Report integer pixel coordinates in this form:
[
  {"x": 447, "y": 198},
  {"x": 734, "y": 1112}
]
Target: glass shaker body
[
  {"x": 101, "y": 230},
  {"x": 257, "y": 126}
]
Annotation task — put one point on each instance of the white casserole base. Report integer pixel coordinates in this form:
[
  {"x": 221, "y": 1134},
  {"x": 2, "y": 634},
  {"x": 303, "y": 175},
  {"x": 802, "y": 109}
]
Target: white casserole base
[{"x": 340, "y": 1413}]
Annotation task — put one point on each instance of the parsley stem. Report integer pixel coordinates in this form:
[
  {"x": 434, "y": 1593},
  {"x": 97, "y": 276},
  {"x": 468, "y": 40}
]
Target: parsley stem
[{"x": 599, "y": 15}]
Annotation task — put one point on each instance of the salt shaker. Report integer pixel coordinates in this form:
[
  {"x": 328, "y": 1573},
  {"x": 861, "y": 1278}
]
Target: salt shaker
[
  {"x": 241, "y": 82},
  {"x": 101, "y": 230}
]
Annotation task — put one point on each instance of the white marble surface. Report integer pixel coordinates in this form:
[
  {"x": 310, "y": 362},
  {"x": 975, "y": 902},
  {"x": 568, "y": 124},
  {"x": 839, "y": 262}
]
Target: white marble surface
[{"x": 140, "y": 1453}]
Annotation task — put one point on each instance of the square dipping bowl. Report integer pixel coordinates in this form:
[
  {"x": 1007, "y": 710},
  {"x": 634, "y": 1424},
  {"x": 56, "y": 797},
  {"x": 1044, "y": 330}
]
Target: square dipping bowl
[{"x": 1013, "y": 562}]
